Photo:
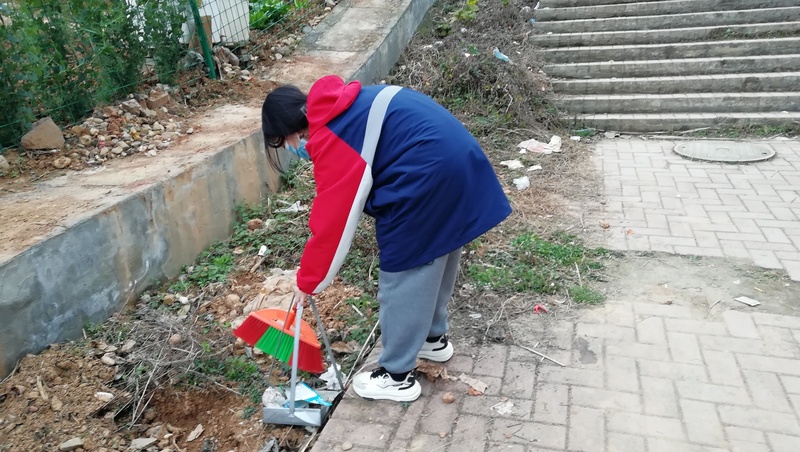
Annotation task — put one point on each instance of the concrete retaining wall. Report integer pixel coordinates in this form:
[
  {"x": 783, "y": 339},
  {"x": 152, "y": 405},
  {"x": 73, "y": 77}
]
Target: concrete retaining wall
[{"x": 141, "y": 226}]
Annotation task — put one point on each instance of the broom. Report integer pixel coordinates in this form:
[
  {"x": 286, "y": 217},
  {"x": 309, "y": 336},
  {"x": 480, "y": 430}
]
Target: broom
[{"x": 272, "y": 331}]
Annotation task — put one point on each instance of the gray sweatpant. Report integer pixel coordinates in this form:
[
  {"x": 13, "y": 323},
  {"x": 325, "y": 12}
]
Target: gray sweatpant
[{"x": 413, "y": 307}]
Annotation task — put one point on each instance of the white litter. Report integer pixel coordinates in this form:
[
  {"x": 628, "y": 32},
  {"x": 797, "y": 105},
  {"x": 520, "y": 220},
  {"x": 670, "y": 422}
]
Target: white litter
[
  {"x": 473, "y": 383},
  {"x": 748, "y": 301},
  {"x": 575, "y": 138},
  {"x": 537, "y": 146},
  {"x": 296, "y": 207},
  {"x": 329, "y": 376},
  {"x": 503, "y": 407},
  {"x": 535, "y": 168},
  {"x": 512, "y": 164},
  {"x": 522, "y": 183}
]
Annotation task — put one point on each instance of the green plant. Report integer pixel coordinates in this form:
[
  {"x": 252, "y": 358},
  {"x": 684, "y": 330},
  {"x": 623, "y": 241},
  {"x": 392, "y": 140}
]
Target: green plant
[
  {"x": 266, "y": 13},
  {"x": 585, "y": 295},
  {"x": 468, "y": 12},
  {"x": 162, "y": 28}
]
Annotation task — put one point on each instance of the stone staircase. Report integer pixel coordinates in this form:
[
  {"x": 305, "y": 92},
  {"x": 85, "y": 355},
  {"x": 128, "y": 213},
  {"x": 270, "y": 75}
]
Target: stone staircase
[{"x": 664, "y": 65}]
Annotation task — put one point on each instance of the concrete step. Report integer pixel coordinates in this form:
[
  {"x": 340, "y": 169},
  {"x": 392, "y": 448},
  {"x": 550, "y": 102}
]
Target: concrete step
[
  {"x": 679, "y": 20},
  {"x": 675, "y": 67},
  {"x": 663, "y": 36},
  {"x": 706, "y": 49},
  {"x": 682, "y": 103},
  {"x": 751, "y": 82},
  {"x": 654, "y": 8},
  {"x": 681, "y": 121},
  {"x": 573, "y": 3}
]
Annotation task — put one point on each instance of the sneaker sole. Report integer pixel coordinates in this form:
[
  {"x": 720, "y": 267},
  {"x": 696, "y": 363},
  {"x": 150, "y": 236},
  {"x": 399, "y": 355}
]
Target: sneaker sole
[
  {"x": 411, "y": 396},
  {"x": 439, "y": 356}
]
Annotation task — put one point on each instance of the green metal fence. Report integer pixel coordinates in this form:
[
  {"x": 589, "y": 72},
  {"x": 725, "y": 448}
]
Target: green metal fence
[{"x": 62, "y": 58}]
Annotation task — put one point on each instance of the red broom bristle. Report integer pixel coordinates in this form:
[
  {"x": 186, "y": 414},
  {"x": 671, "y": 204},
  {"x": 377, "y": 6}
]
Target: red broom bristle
[
  {"x": 309, "y": 359},
  {"x": 251, "y": 330}
]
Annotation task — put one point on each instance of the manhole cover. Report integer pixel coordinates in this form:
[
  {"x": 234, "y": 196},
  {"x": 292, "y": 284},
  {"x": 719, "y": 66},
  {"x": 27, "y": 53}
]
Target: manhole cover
[{"x": 724, "y": 151}]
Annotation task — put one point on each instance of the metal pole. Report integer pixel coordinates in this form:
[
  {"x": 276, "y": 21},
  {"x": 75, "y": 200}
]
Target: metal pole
[{"x": 203, "y": 38}]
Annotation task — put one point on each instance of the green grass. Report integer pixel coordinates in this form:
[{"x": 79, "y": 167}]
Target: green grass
[{"x": 549, "y": 265}]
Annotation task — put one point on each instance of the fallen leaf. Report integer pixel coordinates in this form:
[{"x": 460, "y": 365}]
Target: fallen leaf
[
  {"x": 604, "y": 225},
  {"x": 473, "y": 392},
  {"x": 629, "y": 232},
  {"x": 448, "y": 397},
  {"x": 508, "y": 435},
  {"x": 476, "y": 387},
  {"x": 432, "y": 370},
  {"x": 442, "y": 434},
  {"x": 195, "y": 433}
]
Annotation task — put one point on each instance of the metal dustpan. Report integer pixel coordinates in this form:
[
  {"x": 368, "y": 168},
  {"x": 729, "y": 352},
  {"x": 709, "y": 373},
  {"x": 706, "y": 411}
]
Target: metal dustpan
[{"x": 310, "y": 416}]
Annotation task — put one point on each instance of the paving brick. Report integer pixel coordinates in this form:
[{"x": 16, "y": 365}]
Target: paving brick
[
  {"x": 562, "y": 334},
  {"x": 567, "y": 375},
  {"x": 780, "y": 339},
  {"x": 470, "y": 433},
  {"x": 746, "y": 346},
  {"x": 460, "y": 364},
  {"x": 587, "y": 430},
  {"x": 684, "y": 348},
  {"x": 764, "y": 420},
  {"x": 544, "y": 435},
  {"x": 745, "y": 434},
  {"x": 408, "y": 420},
  {"x": 781, "y": 366},
  {"x": 784, "y": 321},
  {"x": 636, "y": 350},
  {"x": 612, "y": 333},
  {"x": 650, "y": 330},
  {"x": 664, "y": 445},
  {"x": 622, "y": 375},
  {"x": 619, "y": 314},
  {"x": 702, "y": 424},
  {"x": 792, "y": 384},
  {"x": 422, "y": 443},
  {"x": 659, "y": 397},
  {"x": 675, "y": 371},
  {"x": 606, "y": 400},
  {"x": 715, "y": 393},
  {"x": 740, "y": 325},
  {"x": 621, "y": 442},
  {"x": 552, "y": 403},
  {"x": 520, "y": 380},
  {"x": 357, "y": 432},
  {"x": 483, "y": 406},
  {"x": 746, "y": 446},
  {"x": 439, "y": 416},
  {"x": 638, "y": 424},
  {"x": 767, "y": 390},
  {"x": 784, "y": 443},
  {"x": 662, "y": 310},
  {"x": 698, "y": 327},
  {"x": 491, "y": 361},
  {"x": 358, "y": 409}
]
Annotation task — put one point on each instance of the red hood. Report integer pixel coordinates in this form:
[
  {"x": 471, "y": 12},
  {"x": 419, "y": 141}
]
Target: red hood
[{"x": 327, "y": 99}]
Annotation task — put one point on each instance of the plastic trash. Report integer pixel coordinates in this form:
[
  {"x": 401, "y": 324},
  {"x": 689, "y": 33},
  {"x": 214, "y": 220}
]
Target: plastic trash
[
  {"x": 304, "y": 395},
  {"x": 499, "y": 55},
  {"x": 512, "y": 164},
  {"x": 536, "y": 146},
  {"x": 331, "y": 382},
  {"x": 522, "y": 183},
  {"x": 273, "y": 398}
]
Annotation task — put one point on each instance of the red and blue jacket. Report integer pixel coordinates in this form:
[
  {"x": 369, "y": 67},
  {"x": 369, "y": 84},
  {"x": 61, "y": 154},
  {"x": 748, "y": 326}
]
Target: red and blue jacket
[{"x": 430, "y": 187}]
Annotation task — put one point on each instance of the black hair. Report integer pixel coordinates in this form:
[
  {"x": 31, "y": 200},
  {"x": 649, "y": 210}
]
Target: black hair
[{"x": 283, "y": 113}]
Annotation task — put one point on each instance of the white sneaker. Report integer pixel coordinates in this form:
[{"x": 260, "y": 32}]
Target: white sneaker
[
  {"x": 440, "y": 350},
  {"x": 378, "y": 384}
]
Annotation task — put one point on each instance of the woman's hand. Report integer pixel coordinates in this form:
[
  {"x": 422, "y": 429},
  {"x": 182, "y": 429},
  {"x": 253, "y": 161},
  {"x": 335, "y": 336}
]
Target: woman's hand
[{"x": 300, "y": 297}]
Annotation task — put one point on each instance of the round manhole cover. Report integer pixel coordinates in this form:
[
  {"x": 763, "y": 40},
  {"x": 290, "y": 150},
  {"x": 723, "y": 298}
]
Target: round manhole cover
[{"x": 724, "y": 151}]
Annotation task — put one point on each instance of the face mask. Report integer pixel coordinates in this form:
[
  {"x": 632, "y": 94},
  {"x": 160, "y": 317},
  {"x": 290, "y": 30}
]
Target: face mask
[{"x": 299, "y": 151}]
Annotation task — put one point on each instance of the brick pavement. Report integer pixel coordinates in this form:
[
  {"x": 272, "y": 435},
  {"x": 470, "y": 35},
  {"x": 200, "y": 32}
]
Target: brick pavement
[
  {"x": 674, "y": 205},
  {"x": 638, "y": 377}
]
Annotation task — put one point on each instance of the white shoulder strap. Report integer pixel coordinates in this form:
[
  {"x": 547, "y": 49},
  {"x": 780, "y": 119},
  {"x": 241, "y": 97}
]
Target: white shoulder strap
[{"x": 377, "y": 113}]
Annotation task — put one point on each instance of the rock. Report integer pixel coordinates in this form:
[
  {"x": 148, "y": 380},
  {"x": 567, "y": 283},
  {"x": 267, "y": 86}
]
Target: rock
[
  {"x": 80, "y": 130},
  {"x": 94, "y": 131},
  {"x": 190, "y": 130},
  {"x": 72, "y": 444},
  {"x": 448, "y": 397},
  {"x": 142, "y": 443},
  {"x": 113, "y": 128},
  {"x": 132, "y": 106},
  {"x": 123, "y": 145},
  {"x": 151, "y": 153},
  {"x": 44, "y": 134},
  {"x": 278, "y": 56},
  {"x": 103, "y": 151},
  {"x": 347, "y": 445},
  {"x": 56, "y": 404},
  {"x": 194, "y": 434},
  {"x": 157, "y": 100},
  {"x": 255, "y": 223},
  {"x": 108, "y": 359},
  {"x": 158, "y": 127},
  {"x": 85, "y": 140},
  {"x": 62, "y": 162},
  {"x": 111, "y": 111},
  {"x": 171, "y": 127},
  {"x": 104, "y": 396},
  {"x": 168, "y": 136},
  {"x": 183, "y": 300},
  {"x": 168, "y": 298},
  {"x": 4, "y": 166},
  {"x": 233, "y": 299},
  {"x": 127, "y": 347},
  {"x": 147, "y": 113},
  {"x": 175, "y": 339},
  {"x": 150, "y": 416},
  {"x": 118, "y": 150}
]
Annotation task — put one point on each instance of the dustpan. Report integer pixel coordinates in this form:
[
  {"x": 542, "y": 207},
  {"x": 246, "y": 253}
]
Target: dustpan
[{"x": 305, "y": 416}]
